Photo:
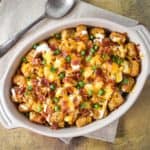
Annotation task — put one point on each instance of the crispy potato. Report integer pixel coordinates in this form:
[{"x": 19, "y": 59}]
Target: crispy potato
[
  {"x": 82, "y": 33},
  {"x": 19, "y": 80},
  {"x": 127, "y": 84},
  {"x": 23, "y": 107},
  {"x": 82, "y": 121},
  {"x": 68, "y": 45},
  {"x": 54, "y": 43},
  {"x": 57, "y": 117},
  {"x": 36, "y": 117},
  {"x": 117, "y": 37},
  {"x": 132, "y": 50},
  {"x": 67, "y": 33},
  {"x": 115, "y": 101},
  {"x": 96, "y": 30},
  {"x": 135, "y": 68}
]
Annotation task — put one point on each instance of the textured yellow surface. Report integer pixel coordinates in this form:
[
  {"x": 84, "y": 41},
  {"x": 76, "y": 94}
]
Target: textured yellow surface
[{"x": 134, "y": 128}]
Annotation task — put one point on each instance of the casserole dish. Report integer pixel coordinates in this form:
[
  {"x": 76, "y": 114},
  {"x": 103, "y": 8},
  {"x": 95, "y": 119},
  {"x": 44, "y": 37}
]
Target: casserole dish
[{"x": 11, "y": 118}]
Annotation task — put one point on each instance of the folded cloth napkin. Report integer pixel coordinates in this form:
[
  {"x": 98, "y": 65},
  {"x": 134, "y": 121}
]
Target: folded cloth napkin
[{"x": 16, "y": 14}]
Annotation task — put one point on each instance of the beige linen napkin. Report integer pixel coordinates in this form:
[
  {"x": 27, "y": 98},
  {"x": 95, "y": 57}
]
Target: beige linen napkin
[{"x": 16, "y": 14}]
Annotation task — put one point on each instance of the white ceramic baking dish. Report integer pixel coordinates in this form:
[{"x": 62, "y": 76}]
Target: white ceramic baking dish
[{"x": 11, "y": 118}]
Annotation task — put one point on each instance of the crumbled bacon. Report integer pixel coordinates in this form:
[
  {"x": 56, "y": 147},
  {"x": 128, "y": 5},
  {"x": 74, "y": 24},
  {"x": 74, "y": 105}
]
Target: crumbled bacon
[
  {"x": 64, "y": 106},
  {"x": 54, "y": 125},
  {"x": 44, "y": 82},
  {"x": 98, "y": 72},
  {"x": 84, "y": 112},
  {"x": 52, "y": 47},
  {"x": 76, "y": 102},
  {"x": 19, "y": 90},
  {"x": 76, "y": 61},
  {"x": 36, "y": 61},
  {"x": 41, "y": 97},
  {"x": 34, "y": 82},
  {"x": 76, "y": 75},
  {"x": 84, "y": 94},
  {"x": 69, "y": 90}
]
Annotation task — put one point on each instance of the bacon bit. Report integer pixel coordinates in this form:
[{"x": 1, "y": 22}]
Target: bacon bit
[
  {"x": 68, "y": 80},
  {"x": 34, "y": 82},
  {"x": 84, "y": 94},
  {"x": 76, "y": 61},
  {"x": 54, "y": 125},
  {"x": 36, "y": 61},
  {"x": 37, "y": 90},
  {"x": 67, "y": 66},
  {"x": 89, "y": 44},
  {"x": 51, "y": 94},
  {"x": 98, "y": 72},
  {"x": 84, "y": 112},
  {"x": 107, "y": 42},
  {"x": 64, "y": 107},
  {"x": 76, "y": 75},
  {"x": 52, "y": 47},
  {"x": 19, "y": 90},
  {"x": 77, "y": 39},
  {"x": 41, "y": 97},
  {"x": 76, "y": 102},
  {"x": 111, "y": 82},
  {"x": 44, "y": 82},
  {"x": 90, "y": 79},
  {"x": 69, "y": 90},
  {"x": 49, "y": 110}
]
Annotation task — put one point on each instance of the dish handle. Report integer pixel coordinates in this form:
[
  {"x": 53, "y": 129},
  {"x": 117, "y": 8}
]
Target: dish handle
[
  {"x": 5, "y": 121},
  {"x": 145, "y": 35}
]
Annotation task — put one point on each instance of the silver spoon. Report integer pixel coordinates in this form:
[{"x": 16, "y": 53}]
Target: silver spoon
[{"x": 53, "y": 9}]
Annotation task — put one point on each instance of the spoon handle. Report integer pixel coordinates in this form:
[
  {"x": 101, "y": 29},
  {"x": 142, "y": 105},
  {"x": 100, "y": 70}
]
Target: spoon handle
[{"x": 4, "y": 47}]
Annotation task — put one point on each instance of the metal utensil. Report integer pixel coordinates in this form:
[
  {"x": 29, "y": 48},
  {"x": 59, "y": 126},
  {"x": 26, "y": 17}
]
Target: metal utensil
[{"x": 53, "y": 9}]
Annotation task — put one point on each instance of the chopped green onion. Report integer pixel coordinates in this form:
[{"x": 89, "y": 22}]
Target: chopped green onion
[
  {"x": 105, "y": 56},
  {"x": 91, "y": 37},
  {"x": 96, "y": 47},
  {"x": 94, "y": 68},
  {"x": 39, "y": 109},
  {"x": 35, "y": 46},
  {"x": 29, "y": 88},
  {"x": 57, "y": 108},
  {"x": 52, "y": 87},
  {"x": 52, "y": 69},
  {"x": 90, "y": 92},
  {"x": 88, "y": 58},
  {"x": 58, "y": 36},
  {"x": 68, "y": 59},
  {"x": 83, "y": 105},
  {"x": 56, "y": 99},
  {"x": 125, "y": 81},
  {"x": 57, "y": 52},
  {"x": 62, "y": 75},
  {"x": 101, "y": 92},
  {"x": 80, "y": 84},
  {"x": 83, "y": 53},
  {"x": 96, "y": 106},
  {"x": 24, "y": 59},
  {"x": 92, "y": 51},
  {"x": 117, "y": 59},
  {"x": 26, "y": 93},
  {"x": 44, "y": 62}
]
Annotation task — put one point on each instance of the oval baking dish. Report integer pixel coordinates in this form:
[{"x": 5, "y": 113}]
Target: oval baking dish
[{"x": 10, "y": 117}]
